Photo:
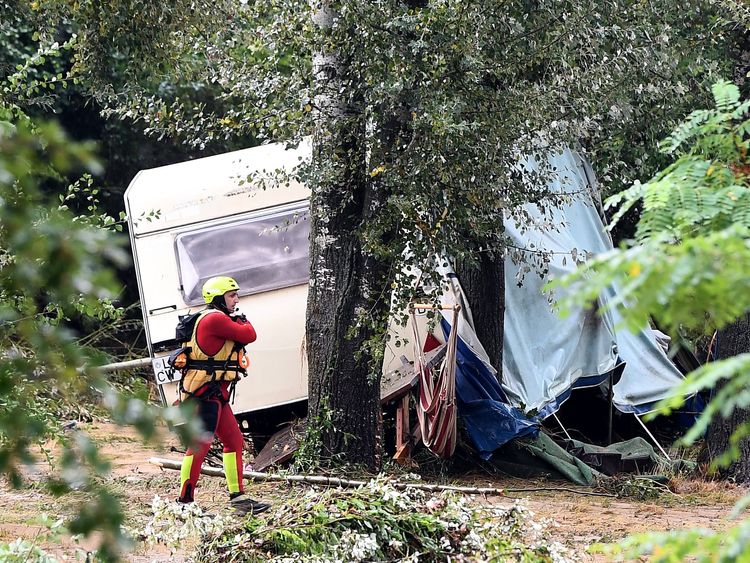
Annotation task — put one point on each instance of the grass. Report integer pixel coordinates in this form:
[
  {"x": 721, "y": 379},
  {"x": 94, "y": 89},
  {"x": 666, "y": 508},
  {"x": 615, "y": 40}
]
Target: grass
[{"x": 706, "y": 490}]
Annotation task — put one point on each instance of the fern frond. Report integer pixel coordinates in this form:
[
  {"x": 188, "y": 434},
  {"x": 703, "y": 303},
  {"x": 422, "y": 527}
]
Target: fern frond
[
  {"x": 726, "y": 96},
  {"x": 685, "y": 130},
  {"x": 628, "y": 197},
  {"x": 741, "y": 211},
  {"x": 735, "y": 372},
  {"x": 741, "y": 110}
]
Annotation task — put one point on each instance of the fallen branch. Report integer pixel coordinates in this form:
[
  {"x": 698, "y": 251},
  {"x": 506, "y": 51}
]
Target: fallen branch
[{"x": 345, "y": 483}]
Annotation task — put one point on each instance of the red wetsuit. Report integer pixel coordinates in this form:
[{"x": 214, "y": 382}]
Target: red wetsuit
[{"x": 213, "y": 407}]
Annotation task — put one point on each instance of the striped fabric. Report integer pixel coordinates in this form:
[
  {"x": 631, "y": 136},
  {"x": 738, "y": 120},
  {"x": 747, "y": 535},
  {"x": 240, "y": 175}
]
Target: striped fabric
[{"x": 436, "y": 408}]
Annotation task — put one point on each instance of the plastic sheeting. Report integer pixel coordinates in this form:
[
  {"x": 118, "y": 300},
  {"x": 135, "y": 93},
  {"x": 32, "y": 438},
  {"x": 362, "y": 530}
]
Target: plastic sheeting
[
  {"x": 649, "y": 374},
  {"x": 545, "y": 356},
  {"x": 489, "y": 420}
]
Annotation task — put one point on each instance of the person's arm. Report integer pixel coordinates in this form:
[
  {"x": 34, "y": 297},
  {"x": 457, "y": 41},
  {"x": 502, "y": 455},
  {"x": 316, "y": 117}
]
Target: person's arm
[{"x": 216, "y": 328}]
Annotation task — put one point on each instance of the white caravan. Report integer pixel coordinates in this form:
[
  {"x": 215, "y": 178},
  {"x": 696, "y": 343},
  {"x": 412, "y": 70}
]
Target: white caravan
[{"x": 208, "y": 217}]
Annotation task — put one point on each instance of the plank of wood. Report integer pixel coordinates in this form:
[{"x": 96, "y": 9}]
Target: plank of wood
[
  {"x": 281, "y": 446},
  {"x": 403, "y": 453}
]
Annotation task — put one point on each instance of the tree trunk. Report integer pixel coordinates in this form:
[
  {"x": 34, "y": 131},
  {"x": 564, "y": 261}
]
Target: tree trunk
[
  {"x": 735, "y": 338},
  {"x": 484, "y": 286},
  {"x": 732, "y": 340},
  {"x": 345, "y": 308},
  {"x": 741, "y": 56}
]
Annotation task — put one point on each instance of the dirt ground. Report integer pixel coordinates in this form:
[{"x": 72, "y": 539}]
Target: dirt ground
[{"x": 577, "y": 520}]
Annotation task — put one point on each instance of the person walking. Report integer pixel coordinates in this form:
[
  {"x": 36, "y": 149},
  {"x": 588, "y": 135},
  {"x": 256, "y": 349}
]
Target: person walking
[{"x": 216, "y": 359}]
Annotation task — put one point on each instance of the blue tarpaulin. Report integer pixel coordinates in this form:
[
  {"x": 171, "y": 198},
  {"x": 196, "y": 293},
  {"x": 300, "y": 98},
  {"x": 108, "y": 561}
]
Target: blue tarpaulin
[
  {"x": 482, "y": 407},
  {"x": 545, "y": 357}
]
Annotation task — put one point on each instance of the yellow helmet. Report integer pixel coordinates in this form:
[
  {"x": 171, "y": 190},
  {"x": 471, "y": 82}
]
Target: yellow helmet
[{"x": 218, "y": 286}]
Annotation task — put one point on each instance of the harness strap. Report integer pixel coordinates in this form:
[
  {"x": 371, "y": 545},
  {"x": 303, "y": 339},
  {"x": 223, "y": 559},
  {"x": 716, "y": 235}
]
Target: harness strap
[
  {"x": 232, "y": 389},
  {"x": 212, "y": 366}
]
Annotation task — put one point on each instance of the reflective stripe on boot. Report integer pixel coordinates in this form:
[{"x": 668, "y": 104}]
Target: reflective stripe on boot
[
  {"x": 231, "y": 472},
  {"x": 186, "y": 487}
]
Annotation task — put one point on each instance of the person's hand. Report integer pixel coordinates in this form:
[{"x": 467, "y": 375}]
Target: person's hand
[{"x": 238, "y": 316}]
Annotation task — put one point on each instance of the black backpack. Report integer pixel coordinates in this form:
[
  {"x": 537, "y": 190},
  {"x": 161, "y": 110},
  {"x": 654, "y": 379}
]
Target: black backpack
[{"x": 183, "y": 332}]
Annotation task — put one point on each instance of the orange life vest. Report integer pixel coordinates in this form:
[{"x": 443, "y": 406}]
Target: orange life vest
[{"x": 226, "y": 365}]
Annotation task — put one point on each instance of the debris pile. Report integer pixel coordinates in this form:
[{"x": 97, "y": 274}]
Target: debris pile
[{"x": 374, "y": 522}]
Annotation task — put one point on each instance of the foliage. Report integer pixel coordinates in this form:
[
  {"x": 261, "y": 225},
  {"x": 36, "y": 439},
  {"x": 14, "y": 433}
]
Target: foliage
[
  {"x": 691, "y": 250},
  {"x": 54, "y": 268},
  {"x": 57, "y": 253},
  {"x": 39, "y": 78},
  {"x": 376, "y": 522},
  {"x": 33, "y": 83},
  {"x": 307, "y": 456},
  {"x": 634, "y": 487},
  {"x": 687, "y": 264},
  {"x": 462, "y": 75},
  {"x": 22, "y": 551},
  {"x": 46, "y": 266},
  {"x": 699, "y": 545},
  {"x": 174, "y": 524},
  {"x": 601, "y": 72}
]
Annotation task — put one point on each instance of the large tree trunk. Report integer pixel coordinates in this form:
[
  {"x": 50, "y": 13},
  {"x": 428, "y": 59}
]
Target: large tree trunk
[
  {"x": 732, "y": 340},
  {"x": 735, "y": 338},
  {"x": 484, "y": 286},
  {"x": 345, "y": 308}
]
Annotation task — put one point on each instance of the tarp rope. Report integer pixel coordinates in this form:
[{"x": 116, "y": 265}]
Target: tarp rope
[{"x": 436, "y": 408}]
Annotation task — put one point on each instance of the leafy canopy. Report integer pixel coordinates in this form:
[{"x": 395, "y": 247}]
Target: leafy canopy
[
  {"x": 690, "y": 255},
  {"x": 472, "y": 85},
  {"x": 688, "y": 266}
]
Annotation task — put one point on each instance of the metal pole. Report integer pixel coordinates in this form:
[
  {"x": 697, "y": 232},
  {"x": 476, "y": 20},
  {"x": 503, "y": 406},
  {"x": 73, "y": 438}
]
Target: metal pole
[
  {"x": 610, "y": 393},
  {"x": 561, "y": 426},
  {"x": 658, "y": 445}
]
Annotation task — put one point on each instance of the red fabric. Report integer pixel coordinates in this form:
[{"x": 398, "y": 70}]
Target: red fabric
[
  {"x": 430, "y": 343},
  {"x": 228, "y": 431},
  {"x": 217, "y": 328}
]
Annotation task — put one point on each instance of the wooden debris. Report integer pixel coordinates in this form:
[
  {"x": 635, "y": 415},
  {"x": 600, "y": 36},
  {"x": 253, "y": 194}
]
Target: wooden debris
[
  {"x": 403, "y": 452},
  {"x": 281, "y": 446},
  {"x": 327, "y": 481}
]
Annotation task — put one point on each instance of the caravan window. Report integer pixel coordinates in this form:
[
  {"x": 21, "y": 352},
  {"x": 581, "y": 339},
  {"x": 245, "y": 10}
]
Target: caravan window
[{"x": 262, "y": 253}]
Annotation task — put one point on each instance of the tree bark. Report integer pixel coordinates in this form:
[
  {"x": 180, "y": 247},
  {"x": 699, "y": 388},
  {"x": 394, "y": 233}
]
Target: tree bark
[
  {"x": 731, "y": 340},
  {"x": 345, "y": 306},
  {"x": 735, "y": 338},
  {"x": 484, "y": 286}
]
